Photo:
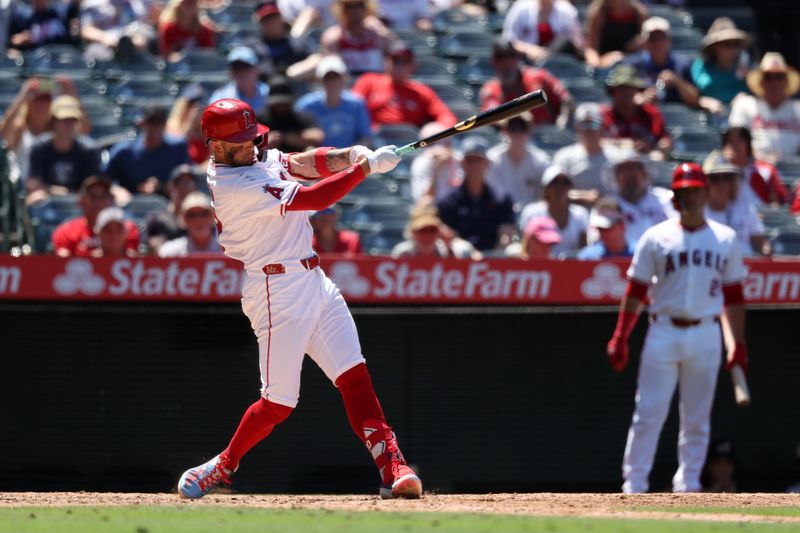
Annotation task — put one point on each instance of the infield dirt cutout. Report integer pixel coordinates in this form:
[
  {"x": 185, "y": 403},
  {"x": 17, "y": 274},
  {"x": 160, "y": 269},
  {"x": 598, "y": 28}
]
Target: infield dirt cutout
[{"x": 537, "y": 504}]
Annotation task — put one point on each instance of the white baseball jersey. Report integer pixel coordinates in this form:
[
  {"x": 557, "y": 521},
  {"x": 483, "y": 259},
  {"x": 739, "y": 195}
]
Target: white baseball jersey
[
  {"x": 250, "y": 206},
  {"x": 654, "y": 207},
  {"x": 741, "y": 216},
  {"x": 687, "y": 268}
]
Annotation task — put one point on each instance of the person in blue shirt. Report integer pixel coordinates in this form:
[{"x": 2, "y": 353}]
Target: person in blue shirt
[
  {"x": 245, "y": 84},
  {"x": 341, "y": 114},
  {"x": 607, "y": 220},
  {"x": 144, "y": 164},
  {"x": 40, "y": 23}
]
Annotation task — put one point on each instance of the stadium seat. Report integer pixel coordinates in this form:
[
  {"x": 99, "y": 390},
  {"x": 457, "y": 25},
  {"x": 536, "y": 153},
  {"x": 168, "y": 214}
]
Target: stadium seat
[
  {"x": 377, "y": 240},
  {"x": 448, "y": 20},
  {"x": 689, "y": 144},
  {"x": 587, "y": 92},
  {"x": 143, "y": 91},
  {"x": 199, "y": 64},
  {"x": 475, "y": 70},
  {"x": 686, "y": 39},
  {"x": 239, "y": 13},
  {"x": 786, "y": 244},
  {"x": 661, "y": 172},
  {"x": 679, "y": 116},
  {"x": 54, "y": 60},
  {"x": 387, "y": 213},
  {"x": 46, "y": 215},
  {"x": 397, "y": 134},
  {"x": 567, "y": 68},
  {"x": 431, "y": 68},
  {"x": 550, "y": 137},
  {"x": 133, "y": 64},
  {"x": 10, "y": 68},
  {"x": 465, "y": 44},
  {"x": 375, "y": 186},
  {"x": 790, "y": 171}
]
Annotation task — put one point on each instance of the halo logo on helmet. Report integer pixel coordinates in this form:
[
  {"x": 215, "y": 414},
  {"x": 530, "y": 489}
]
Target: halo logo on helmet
[
  {"x": 232, "y": 121},
  {"x": 688, "y": 175}
]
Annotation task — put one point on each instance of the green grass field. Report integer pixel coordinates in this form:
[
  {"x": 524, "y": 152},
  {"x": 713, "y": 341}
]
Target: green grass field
[{"x": 194, "y": 519}]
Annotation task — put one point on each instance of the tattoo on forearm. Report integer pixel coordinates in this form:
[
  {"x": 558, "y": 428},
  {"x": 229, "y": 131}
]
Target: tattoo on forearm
[{"x": 337, "y": 160}]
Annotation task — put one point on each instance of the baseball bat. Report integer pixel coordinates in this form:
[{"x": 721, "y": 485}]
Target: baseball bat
[
  {"x": 526, "y": 102},
  {"x": 740, "y": 388}
]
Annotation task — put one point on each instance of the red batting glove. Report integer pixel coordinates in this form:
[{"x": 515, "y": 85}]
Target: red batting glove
[
  {"x": 739, "y": 357},
  {"x": 617, "y": 351}
]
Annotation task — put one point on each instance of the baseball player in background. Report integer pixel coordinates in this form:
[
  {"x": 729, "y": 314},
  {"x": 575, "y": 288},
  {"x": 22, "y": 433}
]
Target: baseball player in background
[
  {"x": 262, "y": 217},
  {"x": 695, "y": 271}
]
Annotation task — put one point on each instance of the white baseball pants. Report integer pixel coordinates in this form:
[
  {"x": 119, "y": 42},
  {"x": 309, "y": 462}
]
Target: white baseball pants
[{"x": 672, "y": 355}]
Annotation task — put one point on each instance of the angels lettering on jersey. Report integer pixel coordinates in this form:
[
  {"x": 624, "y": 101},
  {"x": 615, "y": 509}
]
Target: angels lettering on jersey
[{"x": 698, "y": 258}]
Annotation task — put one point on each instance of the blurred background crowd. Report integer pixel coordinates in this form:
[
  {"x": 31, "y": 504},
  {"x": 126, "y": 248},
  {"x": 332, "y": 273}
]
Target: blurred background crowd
[{"x": 102, "y": 152}]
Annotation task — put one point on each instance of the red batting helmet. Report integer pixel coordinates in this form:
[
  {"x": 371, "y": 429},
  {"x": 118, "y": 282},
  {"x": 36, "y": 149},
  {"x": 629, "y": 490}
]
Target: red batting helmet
[
  {"x": 688, "y": 175},
  {"x": 231, "y": 120}
]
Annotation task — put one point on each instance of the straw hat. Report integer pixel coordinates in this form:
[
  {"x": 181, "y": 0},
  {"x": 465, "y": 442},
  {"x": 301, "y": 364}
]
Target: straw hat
[
  {"x": 723, "y": 29},
  {"x": 773, "y": 62}
]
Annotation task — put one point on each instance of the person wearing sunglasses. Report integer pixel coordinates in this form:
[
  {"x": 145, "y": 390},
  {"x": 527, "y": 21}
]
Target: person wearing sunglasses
[{"x": 201, "y": 237}]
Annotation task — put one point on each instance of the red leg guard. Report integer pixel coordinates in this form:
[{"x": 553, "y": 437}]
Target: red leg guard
[
  {"x": 257, "y": 422},
  {"x": 360, "y": 401}
]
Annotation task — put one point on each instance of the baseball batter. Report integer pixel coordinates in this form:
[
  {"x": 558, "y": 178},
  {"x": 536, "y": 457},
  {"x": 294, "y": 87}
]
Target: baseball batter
[
  {"x": 263, "y": 221},
  {"x": 694, "y": 269}
]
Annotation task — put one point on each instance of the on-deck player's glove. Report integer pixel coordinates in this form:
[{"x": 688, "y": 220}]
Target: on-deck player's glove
[
  {"x": 739, "y": 357},
  {"x": 617, "y": 351},
  {"x": 383, "y": 159},
  {"x": 357, "y": 151}
]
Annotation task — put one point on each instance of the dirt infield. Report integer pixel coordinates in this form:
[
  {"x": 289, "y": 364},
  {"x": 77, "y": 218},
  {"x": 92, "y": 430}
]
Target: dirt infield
[{"x": 540, "y": 504}]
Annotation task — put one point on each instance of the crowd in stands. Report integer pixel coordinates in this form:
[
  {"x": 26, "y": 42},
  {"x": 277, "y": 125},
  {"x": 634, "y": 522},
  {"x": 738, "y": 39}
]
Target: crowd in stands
[{"x": 101, "y": 103}]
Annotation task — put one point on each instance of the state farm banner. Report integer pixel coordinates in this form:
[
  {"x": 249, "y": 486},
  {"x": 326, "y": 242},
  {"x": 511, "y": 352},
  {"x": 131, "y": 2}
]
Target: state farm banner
[{"x": 363, "y": 280}]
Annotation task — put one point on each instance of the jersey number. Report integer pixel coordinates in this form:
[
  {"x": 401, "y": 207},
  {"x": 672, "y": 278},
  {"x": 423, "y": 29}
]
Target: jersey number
[
  {"x": 713, "y": 291},
  {"x": 274, "y": 191}
]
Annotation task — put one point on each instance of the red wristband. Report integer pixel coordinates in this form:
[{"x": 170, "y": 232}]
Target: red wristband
[{"x": 319, "y": 161}]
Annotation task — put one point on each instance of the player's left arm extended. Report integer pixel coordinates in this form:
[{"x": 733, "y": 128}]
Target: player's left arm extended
[{"x": 324, "y": 162}]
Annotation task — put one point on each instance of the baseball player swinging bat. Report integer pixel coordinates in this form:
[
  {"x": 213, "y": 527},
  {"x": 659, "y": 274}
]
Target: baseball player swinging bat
[{"x": 526, "y": 102}]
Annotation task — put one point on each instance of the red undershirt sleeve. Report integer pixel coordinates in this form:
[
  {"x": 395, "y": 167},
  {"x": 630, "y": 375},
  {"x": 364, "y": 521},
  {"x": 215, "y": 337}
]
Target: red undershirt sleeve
[
  {"x": 733, "y": 294},
  {"x": 327, "y": 191}
]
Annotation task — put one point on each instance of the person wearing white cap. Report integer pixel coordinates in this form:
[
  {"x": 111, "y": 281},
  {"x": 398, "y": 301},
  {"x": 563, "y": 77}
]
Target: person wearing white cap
[
  {"x": 436, "y": 171},
  {"x": 607, "y": 219},
  {"x": 244, "y": 84},
  {"x": 571, "y": 219},
  {"x": 112, "y": 235},
  {"x": 771, "y": 115},
  {"x": 201, "y": 237},
  {"x": 340, "y": 113},
  {"x": 664, "y": 71}
]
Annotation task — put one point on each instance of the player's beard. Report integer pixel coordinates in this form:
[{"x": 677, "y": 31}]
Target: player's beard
[{"x": 233, "y": 156}]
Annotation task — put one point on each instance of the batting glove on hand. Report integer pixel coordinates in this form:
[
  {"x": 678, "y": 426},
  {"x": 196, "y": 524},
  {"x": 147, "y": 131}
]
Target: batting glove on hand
[
  {"x": 617, "y": 351},
  {"x": 357, "y": 151},
  {"x": 383, "y": 159},
  {"x": 738, "y": 357}
]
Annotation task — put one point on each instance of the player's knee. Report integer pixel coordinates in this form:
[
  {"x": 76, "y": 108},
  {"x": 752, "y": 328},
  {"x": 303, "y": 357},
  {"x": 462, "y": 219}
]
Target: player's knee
[
  {"x": 278, "y": 412},
  {"x": 358, "y": 375}
]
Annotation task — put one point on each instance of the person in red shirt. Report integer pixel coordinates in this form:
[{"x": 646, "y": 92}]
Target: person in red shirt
[
  {"x": 77, "y": 236},
  {"x": 392, "y": 98},
  {"x": 182, "y": 27},
  {"x": 624, "y": 118},
  {"x": 328, "y": 239},
  {"x": 511, "y": 81}
]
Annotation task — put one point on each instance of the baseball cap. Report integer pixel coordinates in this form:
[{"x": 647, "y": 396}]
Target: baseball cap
[
  {"x": 330, "y": 64},
  {"x": 194, "y": 200},
  {"x": 107, "y": 216},
  {"x": 688, "y": 175},
  {"x": 474, "y": 145},
  {"x": 588, "y": 114},
  {"x": 655, "y": 24},
  {"x": 606, "y": 214},
  {"x": 625, "y": 75},
  {"x": 424, "y": 218},
  {"x": 64, "y": 107},
  {"x": 280, "y": 92},
  {"x": 544, "y": 229},
  {"x": 551, "y": 173},
  {"x": 243, "y": 54},
  {"x": 266, "y": 10},
  {"x": 91, "y": 181},
  {"x": 182, "y": 169},
  {"x": 400, "y": 49},
  {"x": 720, "y": 165}
]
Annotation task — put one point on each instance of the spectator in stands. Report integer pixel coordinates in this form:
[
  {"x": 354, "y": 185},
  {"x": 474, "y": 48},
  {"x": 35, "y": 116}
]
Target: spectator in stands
[
  {"x": 613, "y": 28},
  {"x": 111, "y": 234},
  {"x": 105, "y": 23},
  {"x": 642, "y": 205},
  {"x": 607, "y": 220},
  {"x": 538, "y": 28},
  {"x": 163, "y": 226},
  {"x": 475, "y": 212},
  {"x": 436, "y": 171},
  {"x": 726, "y": 206},
  {"x": 201, "y": 235},
  {"x": 76, "y": 237},
  {"x": 511, "y": 81},
  {"x": 61, "y": 160},
  {"x": 393, "y": 98},
  {"x": 28, "y": 116},
  {"x": 771, "y": 115},
  {"x": 183, "y": 181},
  {"x": 142, "y": 164},
  {"x": 329, "y": 239},
  {"x": 663, "y": 71},
  {"x": 539, "y": 239},
  {"x": 624, "y": 118},
  {"x": 289, "y": 130},
  {"x": 406, "y": 14},
  {"x": 517, "y": 165},
  {"x": 586, "y": 161},
  {"x": 39, "y": 23},
  {"x": 427, "y": 236},
  {"x": 181, "y": 27},
  {"x": 719, "y": 73},
  {"x": 184, "y": 121},
  {"x": 306, "y": 15},
  {"x": 362, "y": 46},
  {"x": 274, "y": 43},
  {"x": 341, "y": 114},
  {"x": 245, "y": 84},
  {"x": 761, "y": 181},
  {"x": 571, "y": 219}
]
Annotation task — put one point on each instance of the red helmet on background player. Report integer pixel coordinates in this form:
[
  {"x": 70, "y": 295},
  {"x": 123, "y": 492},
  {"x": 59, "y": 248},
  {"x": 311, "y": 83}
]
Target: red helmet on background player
[
  {"x": 688, "y": 175},
  {"x": 231, "y": 120}
]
